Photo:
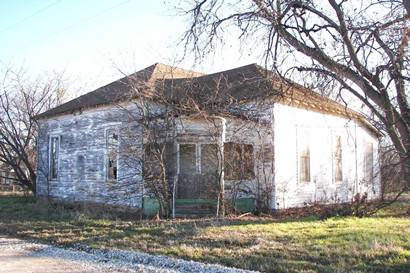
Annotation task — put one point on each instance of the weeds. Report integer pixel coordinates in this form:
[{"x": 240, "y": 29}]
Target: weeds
[{"x": 380, "y": 243}]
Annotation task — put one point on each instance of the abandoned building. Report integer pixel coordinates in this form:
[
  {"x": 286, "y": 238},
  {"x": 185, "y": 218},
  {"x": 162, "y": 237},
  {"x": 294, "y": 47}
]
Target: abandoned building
[
  {"x": 8, "y": 180},
  {"x": 244, "y": 135}
]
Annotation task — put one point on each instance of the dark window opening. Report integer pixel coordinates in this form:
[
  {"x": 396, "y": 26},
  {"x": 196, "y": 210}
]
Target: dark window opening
[
  {"x": 112, "y": 154},
  {"x": 158, "y": 156},
  {"x": 209, "y": 158},
  {"x": 54, "y": 151},
  {"x": 187, "y": 158},
  {"x": 239, "y": 161}
]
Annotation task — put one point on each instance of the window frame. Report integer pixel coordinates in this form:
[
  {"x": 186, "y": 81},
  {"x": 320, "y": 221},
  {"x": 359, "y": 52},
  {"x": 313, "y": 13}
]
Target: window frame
[
  {"x": 50, "y": 175},
  {"x": 365, "y": 157},
  {"x": 2, "y": 177},
  {"x": 106, "y": 166},
  {"x": 335, "y": 138},
  {"x": 306, "y": 132},
  {"x": 197, "y": 156},
  {"x": 248, "y": 176}
]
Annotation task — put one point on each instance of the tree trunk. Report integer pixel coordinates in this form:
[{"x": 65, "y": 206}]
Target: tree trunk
[
  {"x": 33, "y": 182},
  {"x": 163, "y": 209},
  {"x": 222, "y": 204},
  {"x": 405, "y": 171}
]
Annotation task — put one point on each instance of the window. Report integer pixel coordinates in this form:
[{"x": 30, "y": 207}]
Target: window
[
  {"x": 337, "y": 158},
  {"x": 112, "y": 154},
  {"x": 155, "y": 155},
  {"x": 209, "y": 158},
  {"x": 187, "y": 158},
  {"x": 153, "y": 152},
  {"x": 304, "y": 156},
  {"x": 3, "y": 179},
  {"x": 368, "y": 161},
  {"x": 239, "y": 161},
  {"x": 203, "y": 158},
  {"x": 53, "y": 159}
]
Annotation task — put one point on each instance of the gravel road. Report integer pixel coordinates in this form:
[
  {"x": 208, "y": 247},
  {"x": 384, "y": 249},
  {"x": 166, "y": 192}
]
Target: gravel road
[{"x": 18, "y": 256}]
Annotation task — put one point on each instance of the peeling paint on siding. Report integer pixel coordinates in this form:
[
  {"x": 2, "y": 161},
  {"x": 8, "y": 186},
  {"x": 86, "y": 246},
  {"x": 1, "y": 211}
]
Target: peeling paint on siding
[{"x": 82, "y": 166}]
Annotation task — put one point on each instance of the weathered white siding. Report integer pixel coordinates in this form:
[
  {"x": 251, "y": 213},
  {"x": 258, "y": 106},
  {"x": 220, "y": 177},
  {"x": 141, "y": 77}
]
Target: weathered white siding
[
  {"x": 289, "y": 191},
  {"x": 222, "y": 130},
  {"x": 83, "y": 155}
]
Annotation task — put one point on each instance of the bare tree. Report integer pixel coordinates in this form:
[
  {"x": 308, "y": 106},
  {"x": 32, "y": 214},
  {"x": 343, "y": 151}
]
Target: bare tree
[
  {"x": 361, "y": 47},
  {"x": 21, "y": 99},
  {"x": 163, "y": 112},
  {"x": 158, "y": 168}
]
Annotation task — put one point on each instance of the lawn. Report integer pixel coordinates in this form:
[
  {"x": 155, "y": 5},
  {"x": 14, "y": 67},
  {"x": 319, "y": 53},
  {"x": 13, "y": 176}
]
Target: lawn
[{"x": 380, "y": 243}]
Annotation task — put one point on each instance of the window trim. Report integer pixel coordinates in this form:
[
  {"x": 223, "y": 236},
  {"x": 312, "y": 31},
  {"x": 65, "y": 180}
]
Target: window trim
[
  {"x": 365, "y": 178},
  {"x": 254, "y": 170},
  {"x": 53, "y": 136},
  {"x": 197, "y": 156},
  {"x": 116, "y": 129},
  {"x": 299, "y": 131},
  {"x": 334, "y": 163},
  {"x": 200, "y": 154}
]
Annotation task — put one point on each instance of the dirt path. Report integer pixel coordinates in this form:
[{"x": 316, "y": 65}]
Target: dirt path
[{"x": 18, "y": 256}]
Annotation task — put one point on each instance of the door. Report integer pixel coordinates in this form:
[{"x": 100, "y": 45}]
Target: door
[
  {"x": 198, "y": 171},
  {"x": 188, "y": 186}
]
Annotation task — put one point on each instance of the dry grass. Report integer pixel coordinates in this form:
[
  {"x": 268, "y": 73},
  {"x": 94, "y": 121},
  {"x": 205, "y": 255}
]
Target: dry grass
[{"x": 341, "y": 244}]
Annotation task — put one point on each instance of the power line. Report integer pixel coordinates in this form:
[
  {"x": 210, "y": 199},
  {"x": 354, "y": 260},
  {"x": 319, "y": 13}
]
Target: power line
[
  {"x": 30, "y": 16},
  {"x": 81, "y": 21}
]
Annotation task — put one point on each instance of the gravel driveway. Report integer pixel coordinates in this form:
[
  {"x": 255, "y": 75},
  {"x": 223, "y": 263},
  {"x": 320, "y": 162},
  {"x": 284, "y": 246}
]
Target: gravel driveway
[{"x": 17, "y": 256}]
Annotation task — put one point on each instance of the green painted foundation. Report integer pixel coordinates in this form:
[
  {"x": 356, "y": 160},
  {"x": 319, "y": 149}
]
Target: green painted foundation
[
  {"x": 245, "y": 205},
  {"x": 151, "y": 205}
]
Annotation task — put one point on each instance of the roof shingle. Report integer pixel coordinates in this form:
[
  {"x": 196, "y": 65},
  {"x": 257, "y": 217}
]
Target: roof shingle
[{"x": 250, "y": 82}]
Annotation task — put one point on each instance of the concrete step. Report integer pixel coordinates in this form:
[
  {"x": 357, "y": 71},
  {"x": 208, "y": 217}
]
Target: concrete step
[
  {"x": 188, "y": 211},
  {"x": 190, "y": 214},
  {"x": 195, "y": 207}
]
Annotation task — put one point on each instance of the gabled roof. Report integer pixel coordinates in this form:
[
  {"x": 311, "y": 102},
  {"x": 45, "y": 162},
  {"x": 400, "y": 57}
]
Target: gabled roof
[
  {"x": 119, "y": 90},
  {"x": 246, "y": 83},
  {"x": 238, "y": 84}
]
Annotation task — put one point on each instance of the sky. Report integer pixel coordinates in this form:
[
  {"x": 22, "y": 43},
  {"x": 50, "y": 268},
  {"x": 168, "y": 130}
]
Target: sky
[{"x": 91, "y": 40}]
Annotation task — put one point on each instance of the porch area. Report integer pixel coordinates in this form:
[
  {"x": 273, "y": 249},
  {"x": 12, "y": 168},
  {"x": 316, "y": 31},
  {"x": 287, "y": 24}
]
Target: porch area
[{"x": 208, "y": 161}]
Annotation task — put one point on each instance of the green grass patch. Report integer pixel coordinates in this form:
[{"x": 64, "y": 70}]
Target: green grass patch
[{"x": 380, "y": 243}]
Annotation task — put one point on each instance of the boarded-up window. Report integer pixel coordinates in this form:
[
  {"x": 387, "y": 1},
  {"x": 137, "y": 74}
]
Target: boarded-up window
[
  {"x": 54, "y": 152},
  {"x": 239, "y": 161},
  {"x": 112, "y": 154},
  {"x": 209, "y": 158},
  {"x": 337, "y": 157},
  {"x": 368, "y": 161},
  {"x": 187, "y": 158},
  {"x": 304, "y": 156}
]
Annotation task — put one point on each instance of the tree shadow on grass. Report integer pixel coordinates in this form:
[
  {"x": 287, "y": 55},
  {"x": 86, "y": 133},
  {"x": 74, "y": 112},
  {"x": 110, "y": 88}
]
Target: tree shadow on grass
[{"x": 303, "y": 248}]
